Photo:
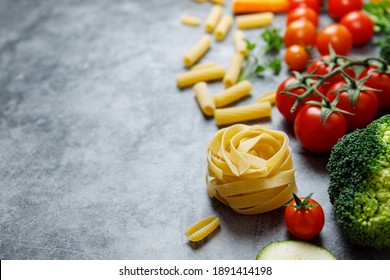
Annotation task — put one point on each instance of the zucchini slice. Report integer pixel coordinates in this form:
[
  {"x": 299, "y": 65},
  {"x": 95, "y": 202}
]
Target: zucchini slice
[{"x": 294, "y": 250}]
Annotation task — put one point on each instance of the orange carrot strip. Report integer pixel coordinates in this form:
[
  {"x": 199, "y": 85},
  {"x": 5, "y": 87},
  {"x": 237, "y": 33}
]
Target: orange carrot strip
[{"x": 257, "y": 6}]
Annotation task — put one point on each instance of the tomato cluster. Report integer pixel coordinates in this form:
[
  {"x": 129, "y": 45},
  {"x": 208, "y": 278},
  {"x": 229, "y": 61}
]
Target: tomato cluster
[
  {"x": 301, "y": 32},
  {"x": 352, "y": 28},
  {"x": 348, "y": 103}
]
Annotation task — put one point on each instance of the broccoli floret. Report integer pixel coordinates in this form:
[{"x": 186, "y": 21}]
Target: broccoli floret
[
  {"x": 384, "y": 45},
  {"x": 359, "y": 188}
]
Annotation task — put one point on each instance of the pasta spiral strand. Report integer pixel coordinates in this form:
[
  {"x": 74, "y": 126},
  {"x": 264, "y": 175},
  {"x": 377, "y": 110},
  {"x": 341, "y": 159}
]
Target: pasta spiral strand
[{"x": 250, "y": 168}]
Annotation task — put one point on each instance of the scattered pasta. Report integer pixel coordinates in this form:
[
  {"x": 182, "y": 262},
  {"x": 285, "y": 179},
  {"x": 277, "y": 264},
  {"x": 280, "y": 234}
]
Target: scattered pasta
[
  {"x": 197, "y": 51},
  {"x": 234, "y": 70},
  {"x": 250, "y": 168},
  {"x": 200, "y": 75},
  {"x": 242, "y": 113},
  {"x": 223, "y": 27},
  {"x": 239, "y": 42},
  {"x": 190, "y": 20},
  {"x": 204, "y": 99},
  {"x": 219, "y": 2},
  {"x": 202, "y": 228},
  {"x": 269, "y": 96},
  {"x": 254, "y": 20},
  {"x": 203, "y": 65},
  {"x": 213, "y": 18},
  {"x": 233, "y": 94}
]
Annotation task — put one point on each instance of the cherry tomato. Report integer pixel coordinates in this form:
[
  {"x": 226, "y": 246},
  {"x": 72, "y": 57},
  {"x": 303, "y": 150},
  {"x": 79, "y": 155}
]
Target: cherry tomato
[
  {"x": 313, "y": 134},
  {"x": 300, "y": 32},
  {"x": 304, "y": 3},
  {"x": 285, "y": 102},
  {"x": 303, "y": 13},
  {"x": 296, "y": 57},
  {"x": 304, "y": 222},
  {"x": 379, "y": 81},
  {"x": 322, "y": 68},
  {"x": 338, "y": 36},
  {"x": 339, "y": 8},
  {"x": 360, "y": 25},
  {"x": 364, "y": 111}
]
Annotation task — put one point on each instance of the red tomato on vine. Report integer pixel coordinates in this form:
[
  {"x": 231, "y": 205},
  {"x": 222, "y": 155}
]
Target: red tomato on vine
[
  {"x": 363, "y": 106},
  {"x": 315, "y": 133},
  {"x": 285, "y": 102}
]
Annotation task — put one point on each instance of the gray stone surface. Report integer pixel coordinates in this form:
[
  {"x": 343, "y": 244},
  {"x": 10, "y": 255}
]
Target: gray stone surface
[{"x": 102, "y": 157}]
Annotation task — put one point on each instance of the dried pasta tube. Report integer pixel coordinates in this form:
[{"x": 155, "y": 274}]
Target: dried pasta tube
[
  {"x": 233, "y": 71},
  {"x": 219, "y": 2},
  {"x": 204, "y": 99},
  {"x": 213, "y": 18},
  {"x": 201, "y": 75},
  {"x": 243, "y": 113},
  {"x": 254, "y": 20},
  {"x": 197, "y": 51},
  {"x": 201, "y": 229},
  {"x": 190, "y": 20},
  {"x": 203, "y": 65},
  {"x": 269, "y": 96},
  {"x": 239, "y": 42},
  {"x": 223, "y": 27},
  {"x": 233, "y": 94}
]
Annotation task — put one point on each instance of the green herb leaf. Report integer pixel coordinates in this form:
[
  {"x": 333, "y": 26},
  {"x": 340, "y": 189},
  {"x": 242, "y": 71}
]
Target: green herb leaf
[
  {"x": 275, "y": 65},
  {"x": 249, "y": 46},
  {"x": 273, "y": 39}
]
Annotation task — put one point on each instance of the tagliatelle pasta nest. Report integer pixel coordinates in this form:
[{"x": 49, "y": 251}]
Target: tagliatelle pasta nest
[{"x": 250, "y": 168}]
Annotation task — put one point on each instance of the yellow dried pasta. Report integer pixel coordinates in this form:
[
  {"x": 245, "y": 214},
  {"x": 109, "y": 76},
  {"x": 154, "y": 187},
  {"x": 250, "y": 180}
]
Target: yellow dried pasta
[
  {"x": 242, "y": 113},
  {"x": 197, "y": 51},
  {"x": 213, "y": 18},
  {"x": 200, "y": 75},
  {"x": 269, "y": 96},
  {"x": 234, "y": 70},
  {"x": 250, "y": 168},
  {"x": 190, "y": 20},
  {"x": 202, "y": 228},
  {"x": 204, "y": 99},
  {"x": 203, "y": 65},
  {"x": 233, "y": 94},
  {"x": 219, "y": 2},
  {"x": 239, "y": 42},
  {"x": 254, "y": 20},
  {"x": 223, "y": 27}
]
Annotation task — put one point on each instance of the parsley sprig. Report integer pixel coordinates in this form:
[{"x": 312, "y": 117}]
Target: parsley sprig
[{"x": 254, "y": 64}]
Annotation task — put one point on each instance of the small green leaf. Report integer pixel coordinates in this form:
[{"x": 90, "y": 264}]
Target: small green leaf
[
  {"x": 275, "y": 65},
  {"x": 249, "y": 46},
  {"x": 259, "y": 69}
]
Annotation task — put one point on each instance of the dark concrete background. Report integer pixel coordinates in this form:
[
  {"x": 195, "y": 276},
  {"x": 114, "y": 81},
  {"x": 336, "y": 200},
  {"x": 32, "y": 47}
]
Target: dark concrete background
[{"x": 102, "y": 157}]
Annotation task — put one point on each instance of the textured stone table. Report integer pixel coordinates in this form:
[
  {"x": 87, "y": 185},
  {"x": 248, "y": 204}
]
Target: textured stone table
[{"x": 103, "y": 157}]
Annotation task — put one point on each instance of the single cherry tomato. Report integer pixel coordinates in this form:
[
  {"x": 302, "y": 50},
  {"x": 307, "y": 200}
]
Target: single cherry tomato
[
  {"x": 304, "y": 217},
  {"x": 360, "y": 25},
  {"x": 338, "y": 36},
  {"x": 303, "y": 13},
  {"x": 285, "y": 102},
  {"x": 320, "y": 67},
  {"x": 313, "y": 4},
  {"x": 364, "y": 110},
  {"x": 315, "y": 135},
  {"x": 300, "y": 32},
  {"x": 296, "y": 57},
  {"x": 381, "y": 82},
  {"x": 339, "y": 8}
]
